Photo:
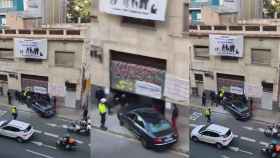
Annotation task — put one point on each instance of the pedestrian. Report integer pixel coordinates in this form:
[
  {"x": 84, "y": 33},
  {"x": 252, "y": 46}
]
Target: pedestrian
[
  {"x": 123, "y": 100},
  {"x": 102, "y": 111},
  {"x": 251, "y": 104},
  {"x": 85, "y": 113},
  {"x": 203, "y": 99},
  {"x": 14, "y": 112},
  {"x": 174, "y": 117},
  {"x": 207, "y": 114},
  {"x": 213, "y": 98},
  {"x": 9, "y": 98},
  {"x": 221, "y": 95}
]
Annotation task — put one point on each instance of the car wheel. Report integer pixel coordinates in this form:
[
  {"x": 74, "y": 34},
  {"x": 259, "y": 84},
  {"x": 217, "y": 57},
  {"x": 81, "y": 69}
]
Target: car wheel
[
  {"x": 20, "y": 140},
  {"x": 219, "y": 145},
  {"x": 195, "y": 139},
  {"x": 144, "y": 143}
]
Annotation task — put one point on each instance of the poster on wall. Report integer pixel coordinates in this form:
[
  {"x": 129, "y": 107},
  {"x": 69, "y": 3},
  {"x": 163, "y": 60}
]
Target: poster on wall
[
  {"x": 32, "y": 8},
  {"x": 176, "y": 89},
  {"x": 148, "y": 89},
  {"x": 233, "y": 5},
  {"x": 31, "y": 48},
  {"x": 226, "y": 45},
  {"x": 252, "y": 90},
  {"x": 143, "y": 9},
  {"x": 41, "y": 90}
]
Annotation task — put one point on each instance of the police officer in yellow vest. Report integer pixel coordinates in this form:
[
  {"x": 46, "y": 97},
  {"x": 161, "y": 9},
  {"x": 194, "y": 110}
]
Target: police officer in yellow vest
[
  {"x": 14, "y": 112},
  {"x": 102, "y": 108}
]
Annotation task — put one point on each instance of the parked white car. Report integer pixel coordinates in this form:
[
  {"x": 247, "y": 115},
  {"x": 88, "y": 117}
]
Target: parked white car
[
  {"x": 213, "y": 134},
  {"x": 19, "y": 130}
]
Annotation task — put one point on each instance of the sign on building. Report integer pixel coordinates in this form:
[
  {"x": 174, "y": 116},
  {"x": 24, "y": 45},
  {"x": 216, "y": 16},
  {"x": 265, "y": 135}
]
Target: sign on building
[
  {"x": 31, "y": 48},
  {"x": 233, "y": 5},
  {"x": 252, "y": 90},
  {"x": 176, "y": 89},
  {"x": 143, "y": 9},
  {"x": 226, "y": 45},
  {"x": 32, "y": 8},
  {"x": 148, "y": 89}
]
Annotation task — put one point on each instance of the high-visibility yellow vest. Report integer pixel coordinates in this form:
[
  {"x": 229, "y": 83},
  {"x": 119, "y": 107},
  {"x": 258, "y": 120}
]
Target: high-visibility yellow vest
[
  {"x": 102, "y": 108},
  {"x": 14, "y": 110}
]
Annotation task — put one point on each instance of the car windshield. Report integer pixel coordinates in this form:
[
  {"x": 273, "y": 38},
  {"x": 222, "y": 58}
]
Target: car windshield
[
  {"x": 240, "y": 106},
  {"x": 227, "y": 134},
  {"x": 203, "y": 129},
  {"x": 159, "y": 126}
]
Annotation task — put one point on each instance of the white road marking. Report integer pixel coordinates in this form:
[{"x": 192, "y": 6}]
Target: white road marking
[
  {"x": 3, "y": 112},
  {"x": 232, "y": 148},
  {"x": 235, "y": 136},
  {"x": 264, "y": 143},
  {"x": 237, "y": 149},
  {"x": 49, "y": 146},
  {"x": 248, "y": 139},
  {"x": 246, "y": 152},
  {"x": 37, "y": 131},
  {"x": 195, "y": 115},
  {"x": 64, "y": 126},
  {"x": 248, "y": 128},
  {"x": 39, "y": 154},
  {"x": 79, "y": 142},
  {"x": 51, "y": 134},
  {"x": 261, "y": 130},
  {"x": 192, "y": 125},
  {"x": 224, "y": 156},
  {"x": 42, "y": 144},
  {"x": 52, "y": 124}
]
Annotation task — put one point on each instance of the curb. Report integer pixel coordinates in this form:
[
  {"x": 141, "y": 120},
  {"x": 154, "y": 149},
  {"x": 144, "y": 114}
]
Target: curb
[{"x": 186, "y": 153}]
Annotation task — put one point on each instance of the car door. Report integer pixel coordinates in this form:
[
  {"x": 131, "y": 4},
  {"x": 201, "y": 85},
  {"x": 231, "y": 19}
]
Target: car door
[
  {"x": 129, "y": 120},
  {"x": 139, "y": 126},
  {"x": 206, "y": 136},
  {"x": 10, "y": 131}
]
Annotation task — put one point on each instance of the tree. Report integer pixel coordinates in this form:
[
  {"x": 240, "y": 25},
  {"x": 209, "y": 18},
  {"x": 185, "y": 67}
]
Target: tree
[
  {"x": 272, "y": 7},
  {"x": 78, "y": 9}
]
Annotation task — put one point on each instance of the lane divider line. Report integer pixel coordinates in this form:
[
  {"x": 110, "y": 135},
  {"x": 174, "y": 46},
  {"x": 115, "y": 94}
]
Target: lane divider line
[
  {"x": 248, "y": 139},
  {"x": 51, "y": 134},
  {"x": 38, "y": 154}
]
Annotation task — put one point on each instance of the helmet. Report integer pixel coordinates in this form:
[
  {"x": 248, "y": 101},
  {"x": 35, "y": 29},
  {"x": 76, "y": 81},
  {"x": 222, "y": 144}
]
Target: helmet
[{"x": 103, "y": 100}]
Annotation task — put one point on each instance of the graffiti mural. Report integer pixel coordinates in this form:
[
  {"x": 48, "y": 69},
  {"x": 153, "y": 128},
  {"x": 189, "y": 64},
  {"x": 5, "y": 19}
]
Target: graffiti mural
[{"x": 124, "y": 75}]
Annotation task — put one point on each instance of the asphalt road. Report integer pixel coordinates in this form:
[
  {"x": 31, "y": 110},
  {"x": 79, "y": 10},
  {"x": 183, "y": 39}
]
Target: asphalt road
[
  {"x": 105, "y": 145},
  {"x": 249, "y": 137},
  {"x": 42, "y": 144}
]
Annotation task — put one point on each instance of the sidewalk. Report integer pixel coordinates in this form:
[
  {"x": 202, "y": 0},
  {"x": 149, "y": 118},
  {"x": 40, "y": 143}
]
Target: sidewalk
[
  {"x": 258, "y": 114},
  {"x": 62, "y": 112},
  {"x": 113, "y": 125}
]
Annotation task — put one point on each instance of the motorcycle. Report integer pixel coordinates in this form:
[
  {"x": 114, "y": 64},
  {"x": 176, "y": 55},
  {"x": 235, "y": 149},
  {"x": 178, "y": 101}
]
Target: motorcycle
[
  {"x": 269, "y": 153},
  {"x": 272, "y": 131},
  {"x": 80, "y": 127},
  {"x": 71, "y": 144}
]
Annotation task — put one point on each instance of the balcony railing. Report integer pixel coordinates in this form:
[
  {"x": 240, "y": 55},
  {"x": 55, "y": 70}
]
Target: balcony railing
[
  {"x": 235, "y": 28},
  {"x": 47, "y": 32}
]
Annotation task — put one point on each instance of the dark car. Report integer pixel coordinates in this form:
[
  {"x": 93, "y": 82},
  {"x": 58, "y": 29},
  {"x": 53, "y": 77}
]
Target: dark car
[
  {"x": 237, "y": 108},
  {"x": 43, "y": 108},
  {"x": 149, "y": 126}
]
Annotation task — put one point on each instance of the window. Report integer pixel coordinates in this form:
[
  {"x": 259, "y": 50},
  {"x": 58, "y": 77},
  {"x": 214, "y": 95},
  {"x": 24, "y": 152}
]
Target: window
[
  {"x": 198, "y": 77},
  {"x": 6, "y": 54},
  {"x": 261, "y": 56},
  {"x": 201, "y": 52},
  {"x": 64, "y": 59},
  {"x": 135, "y": 21}
]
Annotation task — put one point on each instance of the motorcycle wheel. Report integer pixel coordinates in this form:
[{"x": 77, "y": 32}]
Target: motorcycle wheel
[
  {"x": 67, "y": 146},
  {"x": 267, "y": 133}
]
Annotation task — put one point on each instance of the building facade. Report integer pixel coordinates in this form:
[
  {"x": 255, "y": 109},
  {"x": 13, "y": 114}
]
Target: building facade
[
  {"x": 18, "y": 14},
  {"x": 249, "y": 9},
  {"x": 51, "y": 64},
  {"x": 137, "y": 55},
  {"x": 250, "y": 65}
]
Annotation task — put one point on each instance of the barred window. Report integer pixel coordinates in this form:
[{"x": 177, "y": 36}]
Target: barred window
[
  {"x": 64, "y": 59},
  {"x": 261, "y": 56},
  {"x": 201, "y": 52},
  {"x": 6, "y": 54}
]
